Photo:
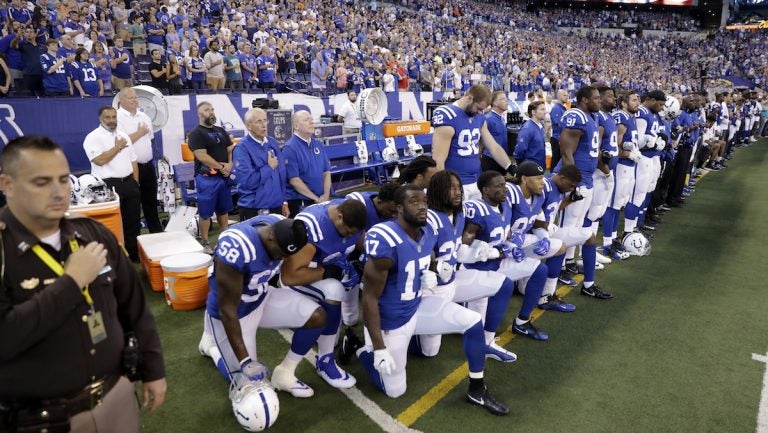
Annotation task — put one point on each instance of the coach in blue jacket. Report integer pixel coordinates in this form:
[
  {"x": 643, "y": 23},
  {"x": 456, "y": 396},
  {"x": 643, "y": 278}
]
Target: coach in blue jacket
[
  {"x": 306, "y": 166},
  {"x": 530, "y": 140},
  {"x": 259, "y": 173}
]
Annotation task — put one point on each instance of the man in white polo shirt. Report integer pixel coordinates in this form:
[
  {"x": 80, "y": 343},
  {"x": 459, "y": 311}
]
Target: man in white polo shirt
[
  {"x": 138, "y": 126},
  {"x": 350, "y": 115},
  {"x": 113, "y": 159}
]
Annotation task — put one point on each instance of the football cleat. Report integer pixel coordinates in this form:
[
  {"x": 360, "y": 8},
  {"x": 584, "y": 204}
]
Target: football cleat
[
  {"x": 615, "y": 254},
  {"x": 527, "y": 329},
  {"x": 566, "y": 280},
  {"x": 494, "y": 351},
  {"x": 554, "y": 303},
  {"x": 482, "y": 397},
  {"x": 284, "y": 380},
  {"x": 595, "y": 292},
  {"x": 350, "y": 342},
  {"x": 333, "y": 374},
  {"x": 602, "y": 259},
  {"x": 207, "y": 247},
  {"x": 571, "y": 267},
  {"x": 205, "y": 345}
]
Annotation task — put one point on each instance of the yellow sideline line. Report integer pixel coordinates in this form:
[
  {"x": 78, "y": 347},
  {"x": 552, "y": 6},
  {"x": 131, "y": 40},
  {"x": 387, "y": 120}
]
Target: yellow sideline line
[{"x": 421, "y": 406}]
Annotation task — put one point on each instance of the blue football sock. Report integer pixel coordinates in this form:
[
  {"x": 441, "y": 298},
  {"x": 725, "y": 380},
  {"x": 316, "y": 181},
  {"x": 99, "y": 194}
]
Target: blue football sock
[
  {"x": 610, "y": 218},
  {"x": 304, "y": 339},
  {"x": 533, "y": 291},
  {"x": 474, "y": 347},
  {"x": 631, "y": 211},
  {"x": 589, "y": 255},
  {"x": 497, "y": 305},
  {"x": 366, "y": 360},
  {"x": 554, "y": 264},
  {"x": 333, "y": 318}
]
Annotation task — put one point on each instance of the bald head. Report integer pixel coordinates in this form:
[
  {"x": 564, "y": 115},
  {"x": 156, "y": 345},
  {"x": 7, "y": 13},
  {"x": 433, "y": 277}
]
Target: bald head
[{"x": 303, "y": 125}]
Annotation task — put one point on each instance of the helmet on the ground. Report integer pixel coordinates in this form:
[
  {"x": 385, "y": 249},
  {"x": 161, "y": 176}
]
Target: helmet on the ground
[
  {"x": 254, "y": 403},
  {"x": 74, "y": 185},
  {"x": 636, "y": 244}
]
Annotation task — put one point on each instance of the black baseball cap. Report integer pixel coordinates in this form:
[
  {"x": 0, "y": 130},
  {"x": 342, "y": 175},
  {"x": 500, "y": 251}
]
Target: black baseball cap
[
  {"x": 529, "y": 168},
  {"x": 291, "y": 235}
]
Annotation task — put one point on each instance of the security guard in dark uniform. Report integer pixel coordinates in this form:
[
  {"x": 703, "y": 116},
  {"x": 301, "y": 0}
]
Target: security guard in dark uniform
[{"x": 73, "y": 318}]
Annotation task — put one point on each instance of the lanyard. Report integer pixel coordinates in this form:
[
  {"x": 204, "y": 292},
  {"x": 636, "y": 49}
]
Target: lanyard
[{"x": 56, "y": 266}]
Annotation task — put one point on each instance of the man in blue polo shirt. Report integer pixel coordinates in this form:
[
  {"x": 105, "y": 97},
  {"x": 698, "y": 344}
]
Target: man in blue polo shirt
[
  {"x": 306, "y": 165},
  {"x": 530, "y": 140},
  {"x": 497, "y": 126},
  {"x": 267, "y": 66},
  {"x": 558, "y": 109},
  {"x": 259, "y": 174}
]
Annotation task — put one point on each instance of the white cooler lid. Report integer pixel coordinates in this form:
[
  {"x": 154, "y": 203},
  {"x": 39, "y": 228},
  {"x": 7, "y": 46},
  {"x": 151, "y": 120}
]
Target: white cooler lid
[
  {"x": 157, "y": 246},
  {"x": 186, "y": 262}
]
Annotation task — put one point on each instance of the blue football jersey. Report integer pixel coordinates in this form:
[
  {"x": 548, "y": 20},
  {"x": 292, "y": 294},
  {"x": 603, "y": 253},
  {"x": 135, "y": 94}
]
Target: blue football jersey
[
  {"x": 494, "y": 227},
  {"x": 240, "y": 247},
  {"x": 585, "y": 156},
  {"x": 448, "y": 236},
  {"x": 651, "y": 130},
  {"x": 609, "y": 143},
  {"x": 402, "y": 290},
  {"x": 367, "y": 199},
  {"x": 524, "y": 214},
  {"x": 552, "y": 199},
  {"x": 630, "y": 135},
  {"x": 323, "y": 234},
  {"x": 463, "y": 155}
]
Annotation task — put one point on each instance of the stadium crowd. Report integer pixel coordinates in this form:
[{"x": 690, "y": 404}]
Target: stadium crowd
[{"x": 88, "y": 49}]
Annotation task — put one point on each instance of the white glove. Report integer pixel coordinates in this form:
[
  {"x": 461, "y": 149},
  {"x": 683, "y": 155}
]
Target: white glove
[
  {"x": 483, "y": 251},
  {"x": 383, "y": 361},
  {"x": 660, "y": 144},
  {"x": 552, "y": 228},
  {"x": 635, "y": 155},
  {"x": 428, "y": 280},
  {"x": 494, "y": 254},
  {"x": 444, "y": 270}
]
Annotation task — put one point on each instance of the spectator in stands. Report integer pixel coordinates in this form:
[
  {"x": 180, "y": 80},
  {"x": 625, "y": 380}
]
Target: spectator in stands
[
  {"x": 101, "y": 61},
  {"x": 31, "y": 51},
  {"x": 341, "y": 76},
  {"x": 261, "y": 178},
  {"x": 55, "y": 78},
  {"x": 213, "y": 167},
  {"x": 530, "y": 145},
  {"x": 214, "y": 64},
  {"x": 173, "y": 75},
  {"x": 248, "y": 66},
  {"x": 388, "y": 81},
  {"x": 84, "y": 77},
  {"x": 113, "y": 159},
  {"x": 233, "y": 69},
  {"x": 138, "y": 127},
  {"x": 349, "y": 114},
  {"x": 320, "y": 71},
  {"x": 155, "y": 35},
  {"x": 158, "y": 70},
  {"x": 267, "y": 65},
  {"x": 306, "y": 164},
  {"x": 138, "y": 35},
  {"x": 121, "y": 64},
  {"x": 196, "y": 68},
  {"x": 13, "y": 57},
  {"x": 5, "y": 77}
]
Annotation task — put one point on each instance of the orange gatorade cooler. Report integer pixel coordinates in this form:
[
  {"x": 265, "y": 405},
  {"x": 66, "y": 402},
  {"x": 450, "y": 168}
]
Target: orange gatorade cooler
[
  {"x": 185, "y": 277},
  {"x": 155, "y": 247},
  {"x": 107, "y": 213}
]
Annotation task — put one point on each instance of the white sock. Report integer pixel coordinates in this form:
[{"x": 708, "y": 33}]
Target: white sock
[
  {"x": 629, "y": 225},
  {"x": 549, "y": 289},
  {"x": 325, "y": 344},
  {"x": 291, "y": 361},
  {"x": 489, "y": 337},
  {"x": 588, "y": 284},
  {"x": 519, "y": 321}
]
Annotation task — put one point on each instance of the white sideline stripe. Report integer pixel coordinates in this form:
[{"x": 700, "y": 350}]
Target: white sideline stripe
[
  {"x": 368, "y": 406},
  {"x": 762, "y": 409}
]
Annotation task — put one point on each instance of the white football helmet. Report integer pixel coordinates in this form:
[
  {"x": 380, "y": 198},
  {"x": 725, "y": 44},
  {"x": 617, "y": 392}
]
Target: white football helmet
[
  {"x": 389, "y": 154},
  {"x": 193, "y": 227},
  {"x": 255, "y": 404},
  {"x": 74, "y": 185},
  {"x": 671, "y": 109},
  {"x": 93, "y": 190},
  {"x": 636, "y": 244},
  {"x": 414, "y": 150}
]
